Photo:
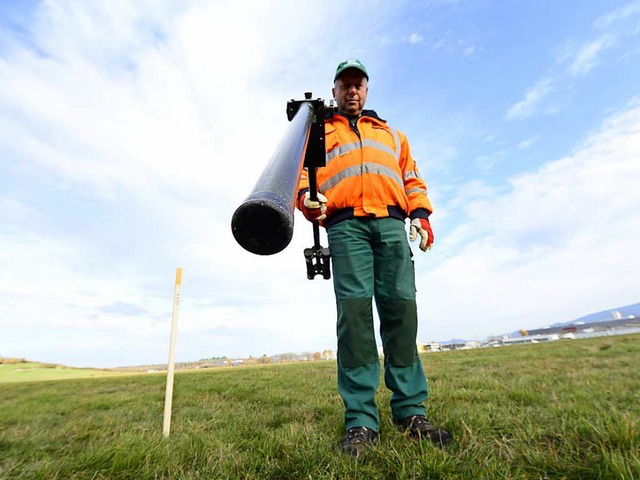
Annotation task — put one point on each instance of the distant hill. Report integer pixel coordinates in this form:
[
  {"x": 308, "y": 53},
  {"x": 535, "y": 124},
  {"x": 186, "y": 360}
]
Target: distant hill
[
  {"x": 453, "y": 341},
  {"x": 591, "y": 318},
  {"x": 604, "y": 315}
]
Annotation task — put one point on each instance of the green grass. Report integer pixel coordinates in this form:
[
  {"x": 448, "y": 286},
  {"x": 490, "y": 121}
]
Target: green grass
[
  {"x": 566, "y": 409},
  {"x": 34, "y": 371}
]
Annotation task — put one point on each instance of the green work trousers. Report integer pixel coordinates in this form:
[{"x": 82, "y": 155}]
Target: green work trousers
[{"x": 371, "y": 258}]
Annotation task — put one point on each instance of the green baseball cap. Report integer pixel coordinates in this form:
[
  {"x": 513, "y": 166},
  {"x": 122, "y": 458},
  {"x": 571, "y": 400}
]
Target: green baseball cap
[{"x": 351, "y": 63}]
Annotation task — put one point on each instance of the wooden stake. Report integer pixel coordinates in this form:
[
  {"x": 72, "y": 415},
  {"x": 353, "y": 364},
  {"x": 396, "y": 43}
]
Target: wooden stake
[{"x": 168, "y": 398}]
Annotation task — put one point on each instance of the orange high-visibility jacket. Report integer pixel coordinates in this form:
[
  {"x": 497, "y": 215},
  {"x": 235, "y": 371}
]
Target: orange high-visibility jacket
[{"x": 371, "y": 175}]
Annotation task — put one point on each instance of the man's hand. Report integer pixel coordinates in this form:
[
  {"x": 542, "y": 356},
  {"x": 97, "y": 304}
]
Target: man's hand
[
  {"x": 314, "y": 210},
  {"x": 423, "y": 227}
]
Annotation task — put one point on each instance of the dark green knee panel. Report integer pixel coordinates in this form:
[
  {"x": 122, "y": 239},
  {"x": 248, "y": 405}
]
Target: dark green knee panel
[
  {"x": 398, "y": 329},
  {"x": 356, "y": 337}
]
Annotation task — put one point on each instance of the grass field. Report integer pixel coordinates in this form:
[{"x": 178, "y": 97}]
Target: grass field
[
  {"x": 35, "y": 371},
  {"x": 567, "y": 409}
]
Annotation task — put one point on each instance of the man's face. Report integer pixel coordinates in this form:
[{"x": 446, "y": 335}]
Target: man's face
[{"x": 350, "y": 92}]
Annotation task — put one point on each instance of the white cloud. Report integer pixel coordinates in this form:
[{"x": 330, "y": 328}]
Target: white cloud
[
  {"x": 469, "y": 50},
  {"x": 562, "y": 242},
  {"x": 627, "y": 11},
  {"x": 618, "y": 29},
  {"x": 130, "y": 134},
  {"x": 586, "y": 57},
  {"x": 415, "y": 38},
  {"x": 524, "y": 144},
  {"x": 578, "y": 58},
  {"x": 532, "y": 98}
]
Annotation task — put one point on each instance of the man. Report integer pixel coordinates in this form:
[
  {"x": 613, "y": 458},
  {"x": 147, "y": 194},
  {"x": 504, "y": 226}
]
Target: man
[{"x": 368, "y": 188}]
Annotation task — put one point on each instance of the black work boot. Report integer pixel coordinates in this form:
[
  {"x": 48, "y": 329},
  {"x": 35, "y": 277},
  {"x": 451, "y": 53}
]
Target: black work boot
[
  {"x": 418, "y": 427},
  {"x": 357, "y": 439}
]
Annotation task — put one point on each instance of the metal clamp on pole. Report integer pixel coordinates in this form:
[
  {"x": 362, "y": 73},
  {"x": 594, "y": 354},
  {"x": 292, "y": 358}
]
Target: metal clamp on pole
[{"x": 317, "y": 257}]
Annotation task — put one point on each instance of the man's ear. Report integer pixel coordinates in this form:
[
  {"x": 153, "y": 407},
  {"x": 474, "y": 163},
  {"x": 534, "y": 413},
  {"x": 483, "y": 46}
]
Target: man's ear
[{"x": 333, "y": 92}]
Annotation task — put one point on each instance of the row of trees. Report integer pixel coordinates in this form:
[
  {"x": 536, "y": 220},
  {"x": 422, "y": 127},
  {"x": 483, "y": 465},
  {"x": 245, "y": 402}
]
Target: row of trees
[
  {"x": 10, "y": 361},
  {"x": 296, "y": 357}
]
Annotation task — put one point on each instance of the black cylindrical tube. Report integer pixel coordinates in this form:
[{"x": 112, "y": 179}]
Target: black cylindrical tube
[{"x": 263, "y": 223}]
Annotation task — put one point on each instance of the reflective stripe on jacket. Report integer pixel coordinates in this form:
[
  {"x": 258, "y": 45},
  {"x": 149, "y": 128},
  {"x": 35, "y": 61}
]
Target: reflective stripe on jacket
[{"x": 372, "y": 173}]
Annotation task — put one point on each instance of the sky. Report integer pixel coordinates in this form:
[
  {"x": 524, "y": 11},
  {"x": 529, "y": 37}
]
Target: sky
[{"x": 131, "y": 131}]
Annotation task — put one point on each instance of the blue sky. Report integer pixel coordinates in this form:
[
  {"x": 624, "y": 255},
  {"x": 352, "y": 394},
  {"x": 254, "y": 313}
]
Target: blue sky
[{"x": 130, "y": 132}]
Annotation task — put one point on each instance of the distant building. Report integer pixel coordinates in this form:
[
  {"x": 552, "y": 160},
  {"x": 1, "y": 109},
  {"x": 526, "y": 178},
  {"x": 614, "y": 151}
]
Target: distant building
[
  {"x": 328, "y": 355},
  {"x": 428, "y": 347},
  {"x": 578, "y": 327},
  {"x": 520, "y": 340}
]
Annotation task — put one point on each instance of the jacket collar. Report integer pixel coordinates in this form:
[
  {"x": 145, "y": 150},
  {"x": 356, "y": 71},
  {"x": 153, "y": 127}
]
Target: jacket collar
[{"x": 365, "y": 113}]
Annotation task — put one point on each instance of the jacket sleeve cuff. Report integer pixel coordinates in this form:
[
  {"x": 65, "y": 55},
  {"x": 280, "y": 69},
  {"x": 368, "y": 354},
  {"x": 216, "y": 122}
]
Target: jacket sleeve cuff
[{"x": 420, "y": 213}]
